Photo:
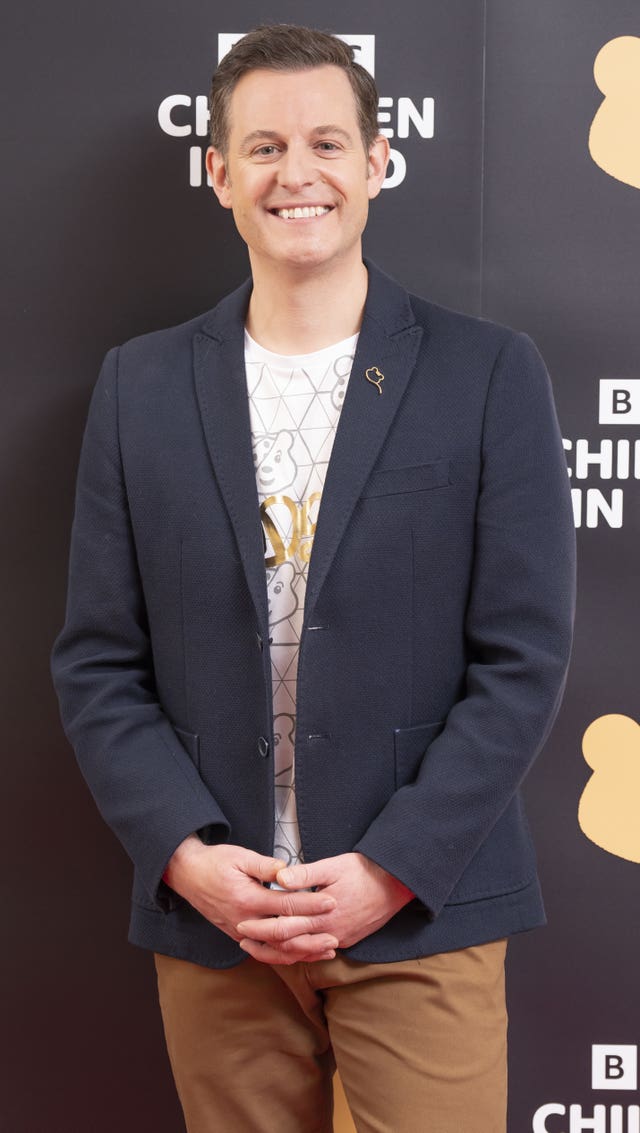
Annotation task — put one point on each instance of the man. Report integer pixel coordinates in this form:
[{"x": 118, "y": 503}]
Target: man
[{"x": 386, "y": 575}]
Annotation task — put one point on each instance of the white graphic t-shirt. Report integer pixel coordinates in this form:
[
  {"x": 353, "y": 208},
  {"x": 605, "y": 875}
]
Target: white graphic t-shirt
[{"x": 294, "y": 403}]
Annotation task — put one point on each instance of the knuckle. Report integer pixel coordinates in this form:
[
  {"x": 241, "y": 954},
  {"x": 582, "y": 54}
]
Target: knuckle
[
  {"x": 288, "y": 905},
  {"x": 280, "y": 930}
]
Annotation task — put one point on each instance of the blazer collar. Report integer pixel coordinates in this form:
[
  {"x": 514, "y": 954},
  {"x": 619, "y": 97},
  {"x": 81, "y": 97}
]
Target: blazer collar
[
  {"x": 387, "y": 304},
  {"x": 389, "y": 340}
]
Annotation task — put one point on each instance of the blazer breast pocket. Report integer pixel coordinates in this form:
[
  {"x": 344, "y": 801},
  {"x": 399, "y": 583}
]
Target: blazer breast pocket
[{"x": 412, "y": 478}]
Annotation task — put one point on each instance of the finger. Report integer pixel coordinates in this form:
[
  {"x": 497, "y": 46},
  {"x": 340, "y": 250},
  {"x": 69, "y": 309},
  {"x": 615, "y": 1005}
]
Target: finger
[
  {"x": 273, "y": 903},
  {"x": 304, "y": 876},
  {"x": 275, "y": 930},
  {"x": 270, "y": 954},
  {"x": 307, "y": 944},
  {"x": 298, "y": 904},
  {"x": 261, "y": 867},
  {"x": 266, "y": 953}
]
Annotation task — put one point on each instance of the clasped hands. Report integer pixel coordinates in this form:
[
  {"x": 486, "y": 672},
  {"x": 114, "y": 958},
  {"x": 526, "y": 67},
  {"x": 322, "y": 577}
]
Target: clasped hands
[{"x": 322, "y": 906}]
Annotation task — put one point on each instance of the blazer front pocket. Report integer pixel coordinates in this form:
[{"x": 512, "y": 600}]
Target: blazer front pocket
[
  {"x": 410, "y": 745},
  {"x": 413, "y": 478}
]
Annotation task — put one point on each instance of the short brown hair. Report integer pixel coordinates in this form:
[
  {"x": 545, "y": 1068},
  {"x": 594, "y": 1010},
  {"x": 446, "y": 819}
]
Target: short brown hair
[{"x": 285, "y": 47}]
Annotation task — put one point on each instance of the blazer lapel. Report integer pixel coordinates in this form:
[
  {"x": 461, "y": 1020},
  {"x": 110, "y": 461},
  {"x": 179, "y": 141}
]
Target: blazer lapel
[
  {"x": 221, "y": 389},
  {"x": 388, "y": 343}
]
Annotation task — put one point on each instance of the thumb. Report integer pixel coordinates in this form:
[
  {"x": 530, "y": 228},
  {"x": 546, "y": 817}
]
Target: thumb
[
  {"x": 261, "y": 867},
  {"x": 302, "y": 876}
]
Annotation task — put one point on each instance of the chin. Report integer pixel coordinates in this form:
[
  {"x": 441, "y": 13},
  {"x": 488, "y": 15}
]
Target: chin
[{"x": 315, "y": 258}]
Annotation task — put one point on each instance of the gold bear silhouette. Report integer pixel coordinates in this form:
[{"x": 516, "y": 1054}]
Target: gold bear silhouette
[
  {"x": 614, "y": 139},
  {"x": 374, "y": 376},
  {"x": 610, "y": 804}
]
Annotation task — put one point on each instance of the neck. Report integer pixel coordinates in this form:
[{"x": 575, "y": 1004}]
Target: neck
[{"x": 297, "y": 312}]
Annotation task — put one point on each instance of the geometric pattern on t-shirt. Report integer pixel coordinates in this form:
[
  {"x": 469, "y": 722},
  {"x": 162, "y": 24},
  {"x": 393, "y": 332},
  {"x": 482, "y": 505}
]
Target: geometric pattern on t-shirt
[{"x": 294, "y": 405}]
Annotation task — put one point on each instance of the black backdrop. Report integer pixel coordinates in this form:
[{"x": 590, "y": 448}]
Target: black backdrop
[{"x": 502, "y": 212}]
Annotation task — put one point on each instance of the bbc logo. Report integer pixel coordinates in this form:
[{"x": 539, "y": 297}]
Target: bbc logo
[
  {"x": 614, "y": 1067},
  {"x": 619, "y": 401}
]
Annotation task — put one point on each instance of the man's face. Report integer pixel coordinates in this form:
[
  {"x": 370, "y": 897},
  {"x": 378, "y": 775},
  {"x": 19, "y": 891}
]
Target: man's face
[{"x": 295, "y": 143}]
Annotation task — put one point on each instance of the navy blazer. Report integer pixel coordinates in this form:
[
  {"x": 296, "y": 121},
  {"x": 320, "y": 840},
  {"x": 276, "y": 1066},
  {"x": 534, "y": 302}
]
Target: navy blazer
[{"x": 436, "y": 633}]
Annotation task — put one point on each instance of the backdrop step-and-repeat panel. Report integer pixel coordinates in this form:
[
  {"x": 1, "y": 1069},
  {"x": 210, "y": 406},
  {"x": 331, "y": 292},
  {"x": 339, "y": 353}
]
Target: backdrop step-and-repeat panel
[{"x": 513, "y": 193}]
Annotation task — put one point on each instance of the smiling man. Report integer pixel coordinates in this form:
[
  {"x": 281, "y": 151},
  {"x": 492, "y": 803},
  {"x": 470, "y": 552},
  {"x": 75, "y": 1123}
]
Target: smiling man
[
  {"x": 319, "y": 618},
  {"x": 299, "y": 186}
]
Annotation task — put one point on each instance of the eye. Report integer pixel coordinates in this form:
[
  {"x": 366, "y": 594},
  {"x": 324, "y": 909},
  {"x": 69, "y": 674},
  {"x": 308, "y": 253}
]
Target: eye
[
  {"x": 267, "y": 150},
  {"x": 327, "y": 147}
]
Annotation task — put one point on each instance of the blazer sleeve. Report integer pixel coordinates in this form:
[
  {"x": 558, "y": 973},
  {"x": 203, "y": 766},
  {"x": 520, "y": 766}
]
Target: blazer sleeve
[
  {"x": 518, "y": 634},
  {"x": 144, "y": 782}
]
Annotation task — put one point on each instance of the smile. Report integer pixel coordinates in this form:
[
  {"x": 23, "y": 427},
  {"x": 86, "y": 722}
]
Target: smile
[{"x": 304, "y": 213}]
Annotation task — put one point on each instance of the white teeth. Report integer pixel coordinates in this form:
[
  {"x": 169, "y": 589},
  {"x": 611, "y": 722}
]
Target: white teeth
[{"x": 304, "y": 213}]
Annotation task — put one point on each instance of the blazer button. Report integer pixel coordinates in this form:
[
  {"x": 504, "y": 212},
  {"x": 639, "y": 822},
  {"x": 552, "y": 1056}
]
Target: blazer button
[{"x": 263, "y": 747}]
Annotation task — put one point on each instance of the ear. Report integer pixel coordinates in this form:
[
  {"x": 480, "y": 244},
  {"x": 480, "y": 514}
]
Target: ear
[
  {"x": 379, "y": 154},
  {"x": 217, "y": 170}
]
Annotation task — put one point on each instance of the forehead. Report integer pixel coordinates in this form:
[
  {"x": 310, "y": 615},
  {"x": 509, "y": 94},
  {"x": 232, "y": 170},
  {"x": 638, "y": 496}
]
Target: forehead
[{"x": 264, "y": 99}]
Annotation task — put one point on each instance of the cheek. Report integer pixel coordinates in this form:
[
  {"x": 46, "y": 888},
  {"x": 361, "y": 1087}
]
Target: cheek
[
  {"x": 253, "y": 201},
  {"x": 243, "y": 212}
]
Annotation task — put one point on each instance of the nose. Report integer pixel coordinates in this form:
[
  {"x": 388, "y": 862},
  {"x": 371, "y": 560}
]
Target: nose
[{"x": 297, "y": 168}]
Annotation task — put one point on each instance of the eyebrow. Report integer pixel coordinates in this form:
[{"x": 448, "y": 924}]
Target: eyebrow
[
  {"x": 331, "y": 128},
  {"x": 258, "y": 136},
  {"x": 273, "y": 135}
]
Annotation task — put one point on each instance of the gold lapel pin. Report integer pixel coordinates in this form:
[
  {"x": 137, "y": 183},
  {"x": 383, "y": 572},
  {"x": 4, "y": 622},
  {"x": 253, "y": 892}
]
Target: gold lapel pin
[{"x": 374, "y": 376}]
